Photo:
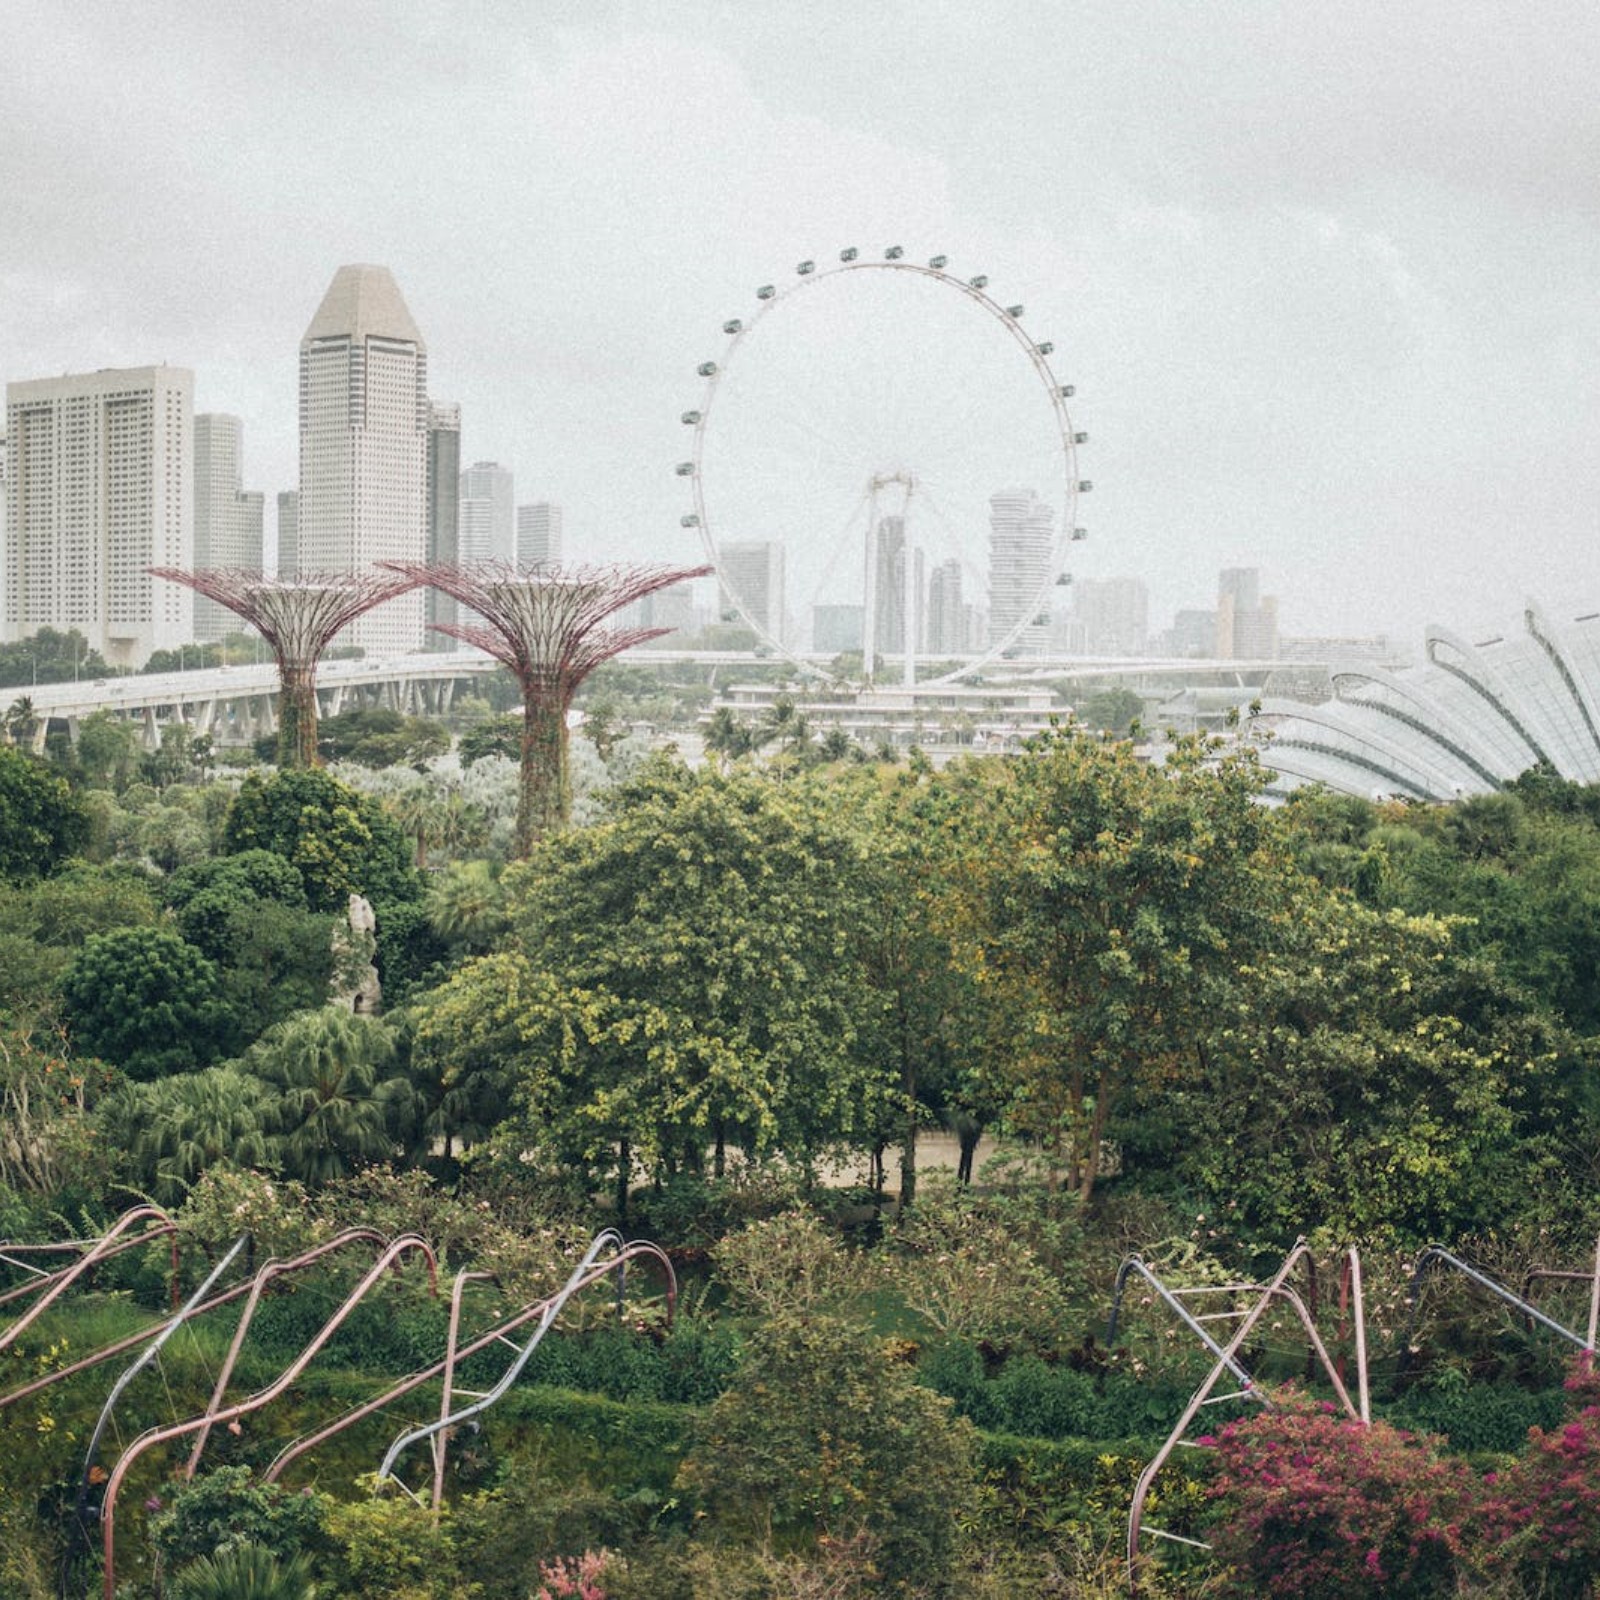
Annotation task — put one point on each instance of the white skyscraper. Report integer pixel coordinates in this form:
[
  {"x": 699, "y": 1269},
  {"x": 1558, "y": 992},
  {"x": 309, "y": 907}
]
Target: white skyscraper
[
  {"x": 487, "y": 513},
  {"x": 1021, "y": 528},
  {"x": 227, "y": 521},
  {"x": 364, "y": 445},
  {"x": 538, "y": 533},
  {"x": 752, "y": 570},
  {"x": 288, "y": 533},
  {"x": 101, "y": 487}
]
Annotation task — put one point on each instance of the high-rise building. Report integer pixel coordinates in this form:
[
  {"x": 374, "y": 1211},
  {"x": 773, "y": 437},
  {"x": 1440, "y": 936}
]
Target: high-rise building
[
  {"x": 948, "y": 622},
  {"x": 1192, "y": 636},
  {"x": 672, "y": 607},
  {"x": 101, "y": 488},
  {"x": 1021, "y": 533},
  {"x": 1247, "y": 620},
  {"x": 228, "y": 529},
  {"x": 1114, "y": 614},
  {"x": 538, "y": 533},
  {"x": 444, "y": 514},
  {"x": 364, "y": 421},
  {"x": 288, "y": 533},
  {"x": 488, "y": 513},
  {"x": 752, "y": 571}
]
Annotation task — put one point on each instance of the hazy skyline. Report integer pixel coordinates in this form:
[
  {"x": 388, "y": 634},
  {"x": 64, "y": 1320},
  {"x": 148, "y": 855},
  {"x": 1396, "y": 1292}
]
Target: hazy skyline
[{"x": 1326, "y": 278}]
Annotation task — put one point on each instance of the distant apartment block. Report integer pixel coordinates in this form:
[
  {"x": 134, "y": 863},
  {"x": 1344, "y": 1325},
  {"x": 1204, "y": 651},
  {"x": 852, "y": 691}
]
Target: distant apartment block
[
  {"x": 487, "y": 513},
  {"x": 752, "y": 574},
  {"x": 228, "y": 530},
  {"x": 100, "y": 487},
  {"x": 444, "y": 513},
  {"x": 538, "y": 533},
  {"x": 1247, "y": 621},
  {"x": 1021, "y": 536},
  {"x": 288, "y": 533}
]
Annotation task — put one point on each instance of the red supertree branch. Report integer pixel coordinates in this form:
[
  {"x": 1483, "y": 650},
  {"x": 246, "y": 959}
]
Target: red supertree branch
[
  {"x": 299, "y": 618},
  {"x": 546, "y": 623}
]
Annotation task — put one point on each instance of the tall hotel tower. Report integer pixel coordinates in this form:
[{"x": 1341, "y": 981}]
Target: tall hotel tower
[
  {"x": 101, "y": 487},
  {"x": 1021, "y": 534},
  {"x": 364, "y": 420}
]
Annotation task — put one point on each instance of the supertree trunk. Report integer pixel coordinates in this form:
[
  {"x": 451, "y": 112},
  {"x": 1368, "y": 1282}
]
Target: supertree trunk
[
  {"x": 550, "y": 627},
  {"x": 297, "y": 719},
  {"x": 299, "y": 618},
  {"x": 544, "y": 793}
]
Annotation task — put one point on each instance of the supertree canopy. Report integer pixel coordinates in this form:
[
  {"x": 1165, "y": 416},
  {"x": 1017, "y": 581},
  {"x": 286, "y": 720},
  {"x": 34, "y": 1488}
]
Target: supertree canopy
[
  {"x": 299, "y": 618},
  {"x": 547, "y": 624}
]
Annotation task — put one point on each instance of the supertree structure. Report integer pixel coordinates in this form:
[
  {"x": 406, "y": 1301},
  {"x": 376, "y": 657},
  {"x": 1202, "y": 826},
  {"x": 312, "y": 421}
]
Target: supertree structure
[
  {"x": 298, "y": 617},
  {"x": 548, "y": 625}
]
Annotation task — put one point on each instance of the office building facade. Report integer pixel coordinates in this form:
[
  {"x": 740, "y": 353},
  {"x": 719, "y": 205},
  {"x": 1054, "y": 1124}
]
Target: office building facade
[
  {"x": 538, "y": 534},
  {"x": 444, "y": 514},
  {"x": 752, "y": 572},
  {"x": 228, "y": 521},
  {"x": 364, "y": 429},
  {"x": 100, "y": 488}
]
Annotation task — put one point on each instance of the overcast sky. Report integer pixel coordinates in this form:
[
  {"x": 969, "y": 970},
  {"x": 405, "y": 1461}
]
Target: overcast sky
[{"x": 1325, "y": 276}]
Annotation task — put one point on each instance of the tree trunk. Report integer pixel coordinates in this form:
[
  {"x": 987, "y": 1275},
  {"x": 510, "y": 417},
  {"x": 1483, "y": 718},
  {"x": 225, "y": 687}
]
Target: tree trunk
[
  {"x": 908, "y": 1134},
  {"x": 719, "y": 1166},
  {"x": 297, "y": 717},
  {"x": 624, "y": 1172},
  {"x": 544, "y": 800}
]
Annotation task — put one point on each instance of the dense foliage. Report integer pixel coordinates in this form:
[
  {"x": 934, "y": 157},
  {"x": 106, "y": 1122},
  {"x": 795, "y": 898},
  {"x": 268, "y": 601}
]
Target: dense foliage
[{"x": 714, "y": 1011}]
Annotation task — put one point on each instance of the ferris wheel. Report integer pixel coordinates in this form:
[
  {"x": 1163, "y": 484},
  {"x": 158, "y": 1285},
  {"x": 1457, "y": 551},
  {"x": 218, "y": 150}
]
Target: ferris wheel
[{"x": 907, "y": 540}]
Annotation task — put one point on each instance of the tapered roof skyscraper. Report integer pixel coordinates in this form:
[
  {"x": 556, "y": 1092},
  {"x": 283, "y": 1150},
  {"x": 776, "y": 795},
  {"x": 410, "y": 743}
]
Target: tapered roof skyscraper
[{"x": 364, "y": 418}]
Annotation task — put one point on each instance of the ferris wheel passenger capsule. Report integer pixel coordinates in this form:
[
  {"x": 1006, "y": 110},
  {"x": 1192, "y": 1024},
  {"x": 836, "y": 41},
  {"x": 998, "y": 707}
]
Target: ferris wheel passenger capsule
[
  {"x": 690, "y": 418},
  {"x": 938, "y": 263},
  {"x": 806, "y": 267},
  {"x": 733, "y": 325},
  {"x": 1015, "y": 311},
  {"x": 690, "y": 521},
  {"x": 1045, "y": 348},
  {"x": 765, "y": 292},
  {"x": 685, "y": 469},
  {"x": 1084, "y": 486},
  {"x": 1080, "y": 438},
  {"x": 1067, "y": 390},
  {"x": 849, "y": 254},
  {"x": 707, "y": 369},
  {"x": 893, "y": 253},
  {"x": 1079, "y": 535},
  {"x": 980, "y": 282}
]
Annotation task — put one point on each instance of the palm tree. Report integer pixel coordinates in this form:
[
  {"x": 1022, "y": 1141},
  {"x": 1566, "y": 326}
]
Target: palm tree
[
  {"x": 333, "y": 1101},
  {"x": 20, "y": 719},
  {"x": 467, "y": 905},
  {"x": 246, "y": 1572},
  {"x": 198, "y": 1120}
]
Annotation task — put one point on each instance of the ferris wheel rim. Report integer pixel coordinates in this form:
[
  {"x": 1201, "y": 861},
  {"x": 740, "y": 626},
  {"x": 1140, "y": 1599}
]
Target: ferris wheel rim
[{"x": 736, "y": 330}]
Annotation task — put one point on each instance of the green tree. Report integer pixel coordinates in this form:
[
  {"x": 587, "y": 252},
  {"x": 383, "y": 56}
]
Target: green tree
[
  {"x": 107, "y": 749},
  {"x": 246, "y": 1572},
  {"x": 147, "y": 1001},
  {"x": 692, "y": 973},
  {"x": 335, "y": 1101},
  {"x": 1106, "y": 904},
  {"x": 821, "y": 1436},
  {"x": 1369, "y": 1080},
  {"x": 341, "y": 841},
  {"x": 189, "y": 1123},
  {"x": 41, "y": 821},
  {"x": 501, "y": 736},
  {"x": 1113, "y": 710}
]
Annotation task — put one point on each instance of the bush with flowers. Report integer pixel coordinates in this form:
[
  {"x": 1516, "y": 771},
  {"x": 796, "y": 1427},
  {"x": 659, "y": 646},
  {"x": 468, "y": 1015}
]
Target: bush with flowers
[{"x": 1321, "y": 1507}]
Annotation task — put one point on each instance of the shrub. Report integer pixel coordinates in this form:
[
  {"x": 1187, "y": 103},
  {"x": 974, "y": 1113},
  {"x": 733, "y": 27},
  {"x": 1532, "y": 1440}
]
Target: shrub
[
  {"x": 1541, "y": 1519},
  {"x": 1321, "y": 1508}
]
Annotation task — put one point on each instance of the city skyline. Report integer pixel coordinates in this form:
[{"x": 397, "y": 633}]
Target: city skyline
[{"x": 1326, "y": 282}]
